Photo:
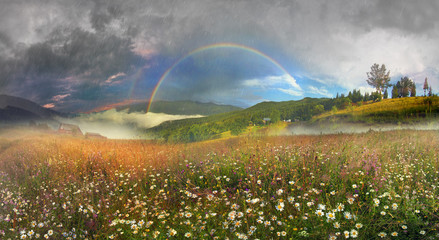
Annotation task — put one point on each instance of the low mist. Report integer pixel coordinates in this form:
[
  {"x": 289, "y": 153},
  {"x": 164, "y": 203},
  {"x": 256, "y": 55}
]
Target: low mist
[
  {"x": 343, "y": 127},
  {"x": 121, "y": 124}
]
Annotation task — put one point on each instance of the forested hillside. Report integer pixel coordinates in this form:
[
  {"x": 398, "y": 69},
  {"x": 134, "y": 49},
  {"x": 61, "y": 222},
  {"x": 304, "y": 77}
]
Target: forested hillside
[
  {"x": 315, "y": 109},
  {"x": 189, "y": 130}
]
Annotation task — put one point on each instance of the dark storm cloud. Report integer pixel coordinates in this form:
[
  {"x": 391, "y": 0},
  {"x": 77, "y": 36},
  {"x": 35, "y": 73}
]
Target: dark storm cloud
[
  {"x": 70, "y": 60},
  {"x": 74, "y": 52}
]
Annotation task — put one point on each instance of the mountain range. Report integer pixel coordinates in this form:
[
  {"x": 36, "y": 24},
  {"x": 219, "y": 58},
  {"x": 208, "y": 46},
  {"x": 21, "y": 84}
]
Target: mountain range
[{"x": 17, "y": 110}]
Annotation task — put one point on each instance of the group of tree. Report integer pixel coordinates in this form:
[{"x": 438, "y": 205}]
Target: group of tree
[
  {"x": 404, "y": 88},
  {"x": 379, "y": 78},
  {"x": 355, "y": 96}
]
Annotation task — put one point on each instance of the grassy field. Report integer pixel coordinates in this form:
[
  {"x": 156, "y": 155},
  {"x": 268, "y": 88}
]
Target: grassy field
[
  {"x": 395, "y": 110},
  {"x": 377, "y": 185}
]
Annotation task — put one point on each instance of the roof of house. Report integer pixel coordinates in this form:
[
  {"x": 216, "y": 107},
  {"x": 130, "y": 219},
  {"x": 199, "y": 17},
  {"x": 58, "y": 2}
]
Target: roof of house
[{"x": 66, "y": 126}]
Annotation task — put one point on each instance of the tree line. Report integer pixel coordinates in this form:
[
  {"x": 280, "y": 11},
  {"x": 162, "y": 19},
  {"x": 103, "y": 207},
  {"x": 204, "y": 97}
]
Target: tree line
[{"x": 379, "y": 78}]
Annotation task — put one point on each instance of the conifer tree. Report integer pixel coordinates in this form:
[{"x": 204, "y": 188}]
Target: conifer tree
[{"x": 425, "y": 86}]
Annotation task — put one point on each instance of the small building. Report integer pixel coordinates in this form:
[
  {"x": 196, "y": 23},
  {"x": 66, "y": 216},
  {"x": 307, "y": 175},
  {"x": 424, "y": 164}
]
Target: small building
[
  {"x": 90, "y": 135},
  {"x": 70, "y": 129},
  {"x": 265, "y": 120}
]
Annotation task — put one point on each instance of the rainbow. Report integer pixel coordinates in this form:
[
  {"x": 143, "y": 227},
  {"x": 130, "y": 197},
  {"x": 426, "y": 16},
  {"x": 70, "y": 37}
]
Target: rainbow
[
  {"x": 135, "y": 78},
  {"x": 208, "y": 47}
]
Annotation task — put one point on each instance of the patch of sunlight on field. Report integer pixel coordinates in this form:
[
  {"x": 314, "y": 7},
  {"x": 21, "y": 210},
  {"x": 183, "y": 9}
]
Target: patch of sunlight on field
[{"x": 394, "y": 105}]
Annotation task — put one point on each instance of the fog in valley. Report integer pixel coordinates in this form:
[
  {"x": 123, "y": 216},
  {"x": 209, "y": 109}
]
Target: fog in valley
[{"x": 121, "y": 124}]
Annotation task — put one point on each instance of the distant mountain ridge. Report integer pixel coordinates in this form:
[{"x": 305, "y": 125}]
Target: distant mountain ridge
[
  {"x": 17, "y": 109},
  {"x": 180, "y": 108}
]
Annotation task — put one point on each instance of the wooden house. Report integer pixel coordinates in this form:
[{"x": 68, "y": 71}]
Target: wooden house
[{"x": 70, "y": 129}]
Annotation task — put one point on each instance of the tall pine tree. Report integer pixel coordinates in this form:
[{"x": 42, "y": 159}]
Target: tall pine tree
[{"x": 425, "y": 87}]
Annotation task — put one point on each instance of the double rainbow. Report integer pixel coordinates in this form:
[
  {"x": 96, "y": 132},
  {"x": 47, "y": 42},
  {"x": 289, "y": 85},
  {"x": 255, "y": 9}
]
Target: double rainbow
[{"x": 208, "y": 47}]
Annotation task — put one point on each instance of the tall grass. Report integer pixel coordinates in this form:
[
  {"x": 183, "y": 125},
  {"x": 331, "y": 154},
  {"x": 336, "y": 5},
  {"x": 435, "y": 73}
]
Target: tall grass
[{"x": 364, "y": 186}]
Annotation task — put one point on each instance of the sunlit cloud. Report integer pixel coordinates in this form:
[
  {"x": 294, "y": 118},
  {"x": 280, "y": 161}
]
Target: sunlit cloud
[
  {"x": 319, "y": 91},
  {"x": 60, "y": 97},
  {"x": 282, "y": 83},
  {"x": 369, "y": 90},
  {"x": 290, "y": 92},
  {"x": 111, "y": 78},
  {"x": 49, "y": 105},
  {"x": 272, "y": 81},
  {"x": 146, "y": 53},
  {"x": 286, "y": 78}
]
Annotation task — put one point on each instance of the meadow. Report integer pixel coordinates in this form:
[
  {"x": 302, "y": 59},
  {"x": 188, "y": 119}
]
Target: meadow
[
  {"x": 393, "y": 110},
  {"x": 375, "y": 185}
]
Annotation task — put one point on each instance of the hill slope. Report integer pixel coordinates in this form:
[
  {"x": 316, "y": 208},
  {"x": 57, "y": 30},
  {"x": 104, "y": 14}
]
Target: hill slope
[
  {"x": 16, "y": 109},
  {"x": 210, "y": 127},
  {"x": 388, "y": 111}
]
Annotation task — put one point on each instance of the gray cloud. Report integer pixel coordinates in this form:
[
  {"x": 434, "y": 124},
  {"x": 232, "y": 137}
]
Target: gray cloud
[
  {"x": 103, "y": 13},
  {"x": 407, "y": 16},
  {"x": 5, "y": 43}
]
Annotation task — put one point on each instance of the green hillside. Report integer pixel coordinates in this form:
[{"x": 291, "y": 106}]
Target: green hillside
[
  {"x": 189, "y": 130},
  {"x": 306, "y": 110},
  {"x": 180, "y": 108}
]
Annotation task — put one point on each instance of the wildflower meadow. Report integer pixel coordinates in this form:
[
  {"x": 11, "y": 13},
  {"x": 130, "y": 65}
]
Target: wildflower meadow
[{"x": 375, "y": 185}]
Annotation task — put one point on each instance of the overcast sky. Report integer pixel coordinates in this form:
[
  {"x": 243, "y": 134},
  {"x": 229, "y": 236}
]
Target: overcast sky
[{"x": 79, "y": 55}]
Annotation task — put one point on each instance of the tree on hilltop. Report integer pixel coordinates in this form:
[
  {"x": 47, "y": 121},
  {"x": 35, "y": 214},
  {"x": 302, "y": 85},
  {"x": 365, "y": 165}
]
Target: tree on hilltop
[
  {"x": 413, "y": 90},
  {"x": 386, "y": 94},
  {"x": 425, "y": 87},
  {"x": 378, "y": 77},
  {"x": 406, "y": 87},
  {"x": 395, "y": 92},
  {"x": 355, "y": 96}
]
